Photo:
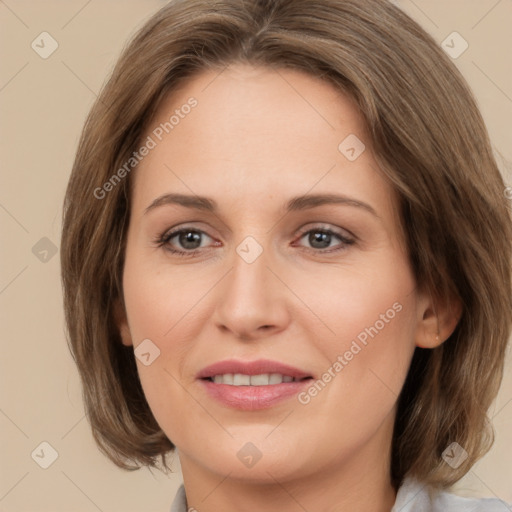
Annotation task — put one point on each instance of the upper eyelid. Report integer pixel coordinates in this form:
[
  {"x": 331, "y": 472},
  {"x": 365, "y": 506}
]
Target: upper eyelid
[
  {"x": 328, "y": 229},
  {"x": 173, "y": 232},
  {"x": 320, "y": 226}
]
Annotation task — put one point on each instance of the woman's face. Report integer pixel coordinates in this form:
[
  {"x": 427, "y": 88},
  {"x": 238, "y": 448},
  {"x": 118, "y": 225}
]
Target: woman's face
[{"x": 292, "y": 260}]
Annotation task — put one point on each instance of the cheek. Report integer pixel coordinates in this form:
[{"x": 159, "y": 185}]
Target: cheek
[
  {"x": 159, "y": 298},
  {"x": 372, "y": 300},
  {"x": 370, "y": 365},
  {"x": 371, "y": 315},
  {"x": 163, "y": 305}
]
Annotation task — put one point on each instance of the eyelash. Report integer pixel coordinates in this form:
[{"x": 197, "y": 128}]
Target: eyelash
[{"x": 164, "y": 239}]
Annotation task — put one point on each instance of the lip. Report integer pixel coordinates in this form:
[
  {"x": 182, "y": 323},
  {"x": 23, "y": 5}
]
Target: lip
[
  {"x": 251, "y": 398},
  {"x": 251, "y": 368}
]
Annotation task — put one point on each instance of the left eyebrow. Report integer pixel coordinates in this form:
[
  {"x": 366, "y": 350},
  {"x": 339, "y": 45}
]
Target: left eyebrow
[
  {"x": 295, "y": 204},
  {"x": 314, "y": 200}
]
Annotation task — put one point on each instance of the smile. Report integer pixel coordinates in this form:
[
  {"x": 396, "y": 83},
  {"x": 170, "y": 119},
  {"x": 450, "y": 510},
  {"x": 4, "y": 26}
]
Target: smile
[{"x": 264, "y": 379}]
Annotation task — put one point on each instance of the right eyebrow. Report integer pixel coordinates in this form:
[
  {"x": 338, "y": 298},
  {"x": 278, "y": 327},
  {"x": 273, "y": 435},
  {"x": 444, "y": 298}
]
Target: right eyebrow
[{"x": 197, "y": 202}]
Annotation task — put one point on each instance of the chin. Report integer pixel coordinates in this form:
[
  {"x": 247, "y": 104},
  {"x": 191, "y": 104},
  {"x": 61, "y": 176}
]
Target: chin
[{"x": 256, "y": 462}]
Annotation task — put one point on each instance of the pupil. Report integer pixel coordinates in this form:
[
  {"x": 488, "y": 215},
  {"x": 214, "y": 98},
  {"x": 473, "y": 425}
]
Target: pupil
[
  {"x": 188, "y": 239},
  {"x": 319, "y": 236}
]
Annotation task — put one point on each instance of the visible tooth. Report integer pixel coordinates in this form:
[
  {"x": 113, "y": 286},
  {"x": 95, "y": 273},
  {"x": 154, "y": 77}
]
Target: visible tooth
[
  {"x": 275, "y": 378},
  {"x": 241, "y": 380},
  {"x": 260, "y": 380}
]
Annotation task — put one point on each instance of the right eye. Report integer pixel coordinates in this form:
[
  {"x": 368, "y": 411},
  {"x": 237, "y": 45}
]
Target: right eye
[{"x": 189, "y": 239}]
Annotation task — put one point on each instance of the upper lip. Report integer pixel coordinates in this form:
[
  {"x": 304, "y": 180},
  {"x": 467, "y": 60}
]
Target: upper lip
[{"x": 258, "y": 367}]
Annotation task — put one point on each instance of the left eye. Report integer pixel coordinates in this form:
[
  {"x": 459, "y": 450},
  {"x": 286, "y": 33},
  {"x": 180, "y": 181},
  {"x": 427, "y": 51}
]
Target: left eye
[{"x": 322, "y": 238}]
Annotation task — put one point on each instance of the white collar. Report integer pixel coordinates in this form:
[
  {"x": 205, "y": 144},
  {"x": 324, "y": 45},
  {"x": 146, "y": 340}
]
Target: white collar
[{"x": 412, "y": 496}]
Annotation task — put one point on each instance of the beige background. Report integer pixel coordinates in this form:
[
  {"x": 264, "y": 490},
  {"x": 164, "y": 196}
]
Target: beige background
[{"x": 43, "y": 104}]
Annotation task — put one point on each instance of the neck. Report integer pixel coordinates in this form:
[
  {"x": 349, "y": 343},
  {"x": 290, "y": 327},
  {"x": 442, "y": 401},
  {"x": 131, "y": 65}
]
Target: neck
[{"x": 358, "y": 482}]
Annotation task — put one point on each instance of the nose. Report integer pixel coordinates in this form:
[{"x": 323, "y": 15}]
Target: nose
[{"x": 251, "y": 300}]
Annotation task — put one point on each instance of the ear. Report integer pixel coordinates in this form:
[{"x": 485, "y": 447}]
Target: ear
[
  {"x": 121, "y": 321},
  {"x": 437, "y": 319}
]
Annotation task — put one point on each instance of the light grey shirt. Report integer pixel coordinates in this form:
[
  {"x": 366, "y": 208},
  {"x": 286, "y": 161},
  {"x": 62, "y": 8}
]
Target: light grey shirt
[{"x": 411, "y": 497}]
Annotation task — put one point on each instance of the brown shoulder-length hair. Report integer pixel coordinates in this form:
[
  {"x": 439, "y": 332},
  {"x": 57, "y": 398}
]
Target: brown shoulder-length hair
[{"x": 431, "y": 143}]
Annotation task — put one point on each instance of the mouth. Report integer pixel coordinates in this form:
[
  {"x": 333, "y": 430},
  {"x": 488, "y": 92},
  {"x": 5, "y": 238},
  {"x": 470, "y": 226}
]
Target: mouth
[
  {"x": 252, "y": 385},
  {"x": 262, "y": 372},
  {"x": 262, "y": 379}
]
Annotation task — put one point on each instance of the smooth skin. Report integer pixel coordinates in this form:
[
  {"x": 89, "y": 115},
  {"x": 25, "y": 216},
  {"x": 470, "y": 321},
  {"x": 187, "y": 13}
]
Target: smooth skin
[{"x": 257, "y": 138}]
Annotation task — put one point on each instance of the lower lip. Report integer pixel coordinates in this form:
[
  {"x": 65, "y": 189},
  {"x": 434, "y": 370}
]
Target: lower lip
[{"x": 251, "y": 398}]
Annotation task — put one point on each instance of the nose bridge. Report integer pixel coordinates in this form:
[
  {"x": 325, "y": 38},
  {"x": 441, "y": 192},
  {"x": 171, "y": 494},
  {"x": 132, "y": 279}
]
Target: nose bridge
[
  {"x": 250, "y": 298},
  {"x": 248, "y": 282}
]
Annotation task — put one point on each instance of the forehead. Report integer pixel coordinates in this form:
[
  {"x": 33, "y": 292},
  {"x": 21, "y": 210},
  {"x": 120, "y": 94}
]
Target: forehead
[
  {"x": 252, "y": 103},
  {"x": 255, "y": 132}
]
